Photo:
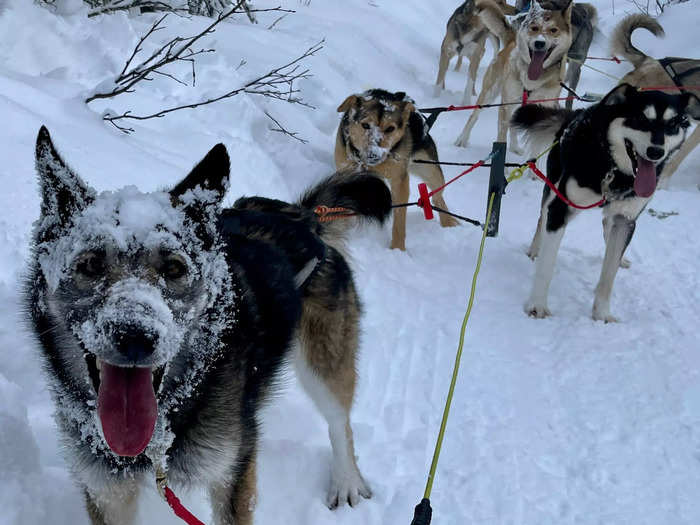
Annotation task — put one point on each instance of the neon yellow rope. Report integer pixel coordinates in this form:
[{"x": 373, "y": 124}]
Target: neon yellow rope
[
  {"x": 518, "y": 172},
  {"x": 455, "y": 371}
]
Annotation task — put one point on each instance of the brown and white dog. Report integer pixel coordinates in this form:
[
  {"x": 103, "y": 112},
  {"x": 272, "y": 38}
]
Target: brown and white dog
[
  {"x": 533, "y": 60},
  {"x": 652, "y": 72},
  {"x": 466, "y": 35},
  {"x": 383, "y": 131}
]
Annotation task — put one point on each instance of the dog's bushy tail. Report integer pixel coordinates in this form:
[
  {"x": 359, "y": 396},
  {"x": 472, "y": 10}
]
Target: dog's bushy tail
[
  {"x": 495, "y": 21},
  {"x": 540, "y": 124},
  {"x": 362, "y": 193},
  {"x": 621, "y": 39}
]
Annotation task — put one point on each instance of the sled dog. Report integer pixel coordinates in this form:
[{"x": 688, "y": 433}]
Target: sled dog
[
  {"x": 652, "y": 72},
  {"x": 383, "y": 131},
  {"x": 533, "y": 60},
  {"x": 466, "y": 35},
  {"x": 583, "y": 23},
  {"x": 163, "y": 320},
  {"x": 613, "y": 150}
]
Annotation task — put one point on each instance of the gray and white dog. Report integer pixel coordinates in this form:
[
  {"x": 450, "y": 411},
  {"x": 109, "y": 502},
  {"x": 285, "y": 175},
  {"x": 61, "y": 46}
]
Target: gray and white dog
[{"x": 163, "y": 320}]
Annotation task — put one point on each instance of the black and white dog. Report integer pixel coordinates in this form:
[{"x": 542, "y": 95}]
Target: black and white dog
[
  {"x": 163, "y": 320},
  {"x": 613, "y": 150}
]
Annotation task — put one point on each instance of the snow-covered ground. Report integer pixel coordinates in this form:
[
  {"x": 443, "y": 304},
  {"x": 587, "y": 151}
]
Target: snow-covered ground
[{"x": 556, "y": 421}]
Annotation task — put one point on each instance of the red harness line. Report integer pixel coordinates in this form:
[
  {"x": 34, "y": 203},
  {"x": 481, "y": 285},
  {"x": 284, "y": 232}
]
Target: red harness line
[
  {"x": 559, "y": 194},
  {"x": 525, "y": 100},
  {"x": 179, "y": 509}
]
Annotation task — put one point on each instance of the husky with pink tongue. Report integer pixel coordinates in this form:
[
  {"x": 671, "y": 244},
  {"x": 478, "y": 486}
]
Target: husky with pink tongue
[
  {"x": 164, "y": 320},
  {"x": 533, "y": 60},
  {"x": 612, "y": 151}
]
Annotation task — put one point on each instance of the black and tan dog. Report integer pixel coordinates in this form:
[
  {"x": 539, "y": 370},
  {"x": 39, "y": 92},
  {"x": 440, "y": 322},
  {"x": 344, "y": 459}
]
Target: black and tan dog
[
  {"x": 652, "y": 72},
  {"x": 383, "y": 131},
  {"x": 163, "y": 320},
  {"x": 466, "y": 35}
]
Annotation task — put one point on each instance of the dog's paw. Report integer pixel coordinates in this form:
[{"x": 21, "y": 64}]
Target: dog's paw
[
  {"x": 625, "y": 263},
  {"x": 397, "y": 246},
  {"x": 606, "y": 318},
  {"x": 462, "y": 141},
  {"x": 447, "y": 221},
  {"x": 347, "y": 488},
  {"x": 531, "y": 253},
  {"x": 537, "y": 311}
]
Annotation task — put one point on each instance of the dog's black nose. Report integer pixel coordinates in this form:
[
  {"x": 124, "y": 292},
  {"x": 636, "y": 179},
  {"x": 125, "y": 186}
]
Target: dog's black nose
[
  {"x": 539, "y": 45},
  {"x": 655, "y": 153},
  {"x": 134, "y": 343}
]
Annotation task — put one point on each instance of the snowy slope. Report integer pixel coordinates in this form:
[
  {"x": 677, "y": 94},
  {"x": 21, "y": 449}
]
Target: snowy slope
[{"x": 556, "y": 421}]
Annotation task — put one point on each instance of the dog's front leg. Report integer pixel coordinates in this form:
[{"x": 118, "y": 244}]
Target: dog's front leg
[
  {"x": 114, "y": 505},
  {"x": 398, "y": 181},
  {"x": 619, "y": 234},
  {"x": 233, "y": 503}
]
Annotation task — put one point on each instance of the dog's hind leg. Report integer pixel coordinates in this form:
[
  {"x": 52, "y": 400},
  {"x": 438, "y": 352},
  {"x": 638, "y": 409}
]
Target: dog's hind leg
[
  {"x": 458, "y": 65},
  {"x": 553, "y": 225},
  {"x": 447, "y": 51},
  {"x": 619, "y": 235},
  {"x": 233, "y": 503},
  {"x": 489, "y": 90},
  {"x": 573, "y": 74},
  {"x": 325, "y": 365},
  {"x": 607, "y": 224},
  {"x": 477, "y": 53},
  {"x": 534, "y": 249},
  {"x": 116, "y": 505}
]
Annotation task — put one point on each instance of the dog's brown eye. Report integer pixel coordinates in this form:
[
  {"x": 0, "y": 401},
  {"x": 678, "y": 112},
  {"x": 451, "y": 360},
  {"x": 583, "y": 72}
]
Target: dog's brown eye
[
  {"x": 534, "y": 29},
  {"x": 554, "y": 30},
  {"x": 92, "y": 265},
  {"x": 365, "y": 125},
  {"x": 173, "y": 269},
  {"x": 389, "y": 129}
]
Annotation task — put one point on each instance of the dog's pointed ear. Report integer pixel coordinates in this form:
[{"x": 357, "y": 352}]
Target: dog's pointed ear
[
  {"x": 619, "y": 95},
  {"x": 63, "y": 193},
  {"x": 348, "y": 103},
  {"x": 407, "y": 110},
  {"x": 691, "y": 104},
  {"x": 208, "y": 181}
]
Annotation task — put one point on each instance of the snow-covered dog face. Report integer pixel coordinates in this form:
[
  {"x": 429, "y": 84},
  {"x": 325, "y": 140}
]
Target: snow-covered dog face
[
  {"x": 648, "y": 127},
  {"x": 128, "y": 276},
  {"x": 376, "y": 121},
  {"x": 544, "y": 38}
]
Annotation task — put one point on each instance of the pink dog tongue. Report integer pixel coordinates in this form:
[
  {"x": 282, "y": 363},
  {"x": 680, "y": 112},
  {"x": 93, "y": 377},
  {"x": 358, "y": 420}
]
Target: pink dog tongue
[
  {"x": 126, "y": 405},
  {"x": 536, "y": 65},
  {"x": 645, "y": 181}
]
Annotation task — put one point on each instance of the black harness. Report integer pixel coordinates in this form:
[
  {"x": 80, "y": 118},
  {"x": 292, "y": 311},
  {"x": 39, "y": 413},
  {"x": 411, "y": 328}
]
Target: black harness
[{"x": 679, "y": 69}]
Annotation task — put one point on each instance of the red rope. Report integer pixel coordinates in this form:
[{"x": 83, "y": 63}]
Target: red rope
[
  {"x": 549, "y": 183},
  {"x": 472, "y": 168},
  {"x": 526, "y": 100},
  {"x": 179, "y": 509},
  {"x": 611, "y": 59}
]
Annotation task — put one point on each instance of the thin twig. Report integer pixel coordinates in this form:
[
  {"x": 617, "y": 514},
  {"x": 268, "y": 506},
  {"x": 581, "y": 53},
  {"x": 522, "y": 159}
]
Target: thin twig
[{"x": 281, "y": 129}]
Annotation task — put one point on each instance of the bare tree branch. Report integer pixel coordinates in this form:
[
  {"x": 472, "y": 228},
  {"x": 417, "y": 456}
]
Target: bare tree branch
[
  {"x": 278, "y": 83},
  {"x": 123, "y": 5},
  {"x": 281, "y": 129}
]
